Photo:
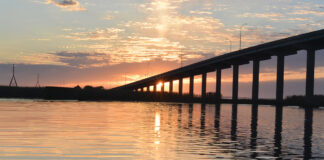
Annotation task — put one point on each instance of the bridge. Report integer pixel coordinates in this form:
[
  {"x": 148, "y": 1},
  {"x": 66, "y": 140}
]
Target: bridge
[{"x": 311, "y": 42}]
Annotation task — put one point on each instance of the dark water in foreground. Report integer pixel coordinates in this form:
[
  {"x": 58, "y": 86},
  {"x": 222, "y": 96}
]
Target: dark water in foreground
[{"x": 123, "y": 130}]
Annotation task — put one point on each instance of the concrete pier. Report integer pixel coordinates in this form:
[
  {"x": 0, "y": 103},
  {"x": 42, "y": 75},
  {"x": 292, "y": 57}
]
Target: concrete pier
[
  {"x": 255, "y": 82},
  {"x": 180, "y": 85},
  {"x": 218, "y": 84},
  {"x": 191, "y": 86},
  {"x": 171, "y": 86},
  {"x": 280, "y": 78},
  {"x": 310, "y": 75},
  {"x": 162, "y": 87},
  {"x": 203, "y": 85},
  {"x": 235, "y": 82}
]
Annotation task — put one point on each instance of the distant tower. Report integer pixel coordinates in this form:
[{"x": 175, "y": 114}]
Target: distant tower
[
  {"x": 181, "y": 60},
  {"x": 38, "y": 84},
  {"x": 13, "y": 82}
]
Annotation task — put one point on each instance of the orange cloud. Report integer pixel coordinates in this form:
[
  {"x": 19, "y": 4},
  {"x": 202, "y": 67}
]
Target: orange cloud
[{"x": 313, "y": 12}]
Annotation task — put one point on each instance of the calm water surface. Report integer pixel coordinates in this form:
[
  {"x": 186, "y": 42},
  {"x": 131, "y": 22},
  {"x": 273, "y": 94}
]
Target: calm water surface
[{"x": 125, "y": 130}]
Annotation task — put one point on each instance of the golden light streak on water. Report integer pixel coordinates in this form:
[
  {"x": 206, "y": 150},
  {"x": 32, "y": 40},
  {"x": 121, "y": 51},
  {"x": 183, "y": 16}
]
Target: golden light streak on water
[{"x": 157, "y": 128}]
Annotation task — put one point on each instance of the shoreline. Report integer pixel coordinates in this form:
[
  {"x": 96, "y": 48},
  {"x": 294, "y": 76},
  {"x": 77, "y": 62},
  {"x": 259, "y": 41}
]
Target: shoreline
[{"x": 101, "y": 95}]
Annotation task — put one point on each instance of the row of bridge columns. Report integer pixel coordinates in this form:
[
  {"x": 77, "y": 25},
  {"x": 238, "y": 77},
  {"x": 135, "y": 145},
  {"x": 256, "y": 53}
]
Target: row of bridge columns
[{"x": 255, "y": 82}]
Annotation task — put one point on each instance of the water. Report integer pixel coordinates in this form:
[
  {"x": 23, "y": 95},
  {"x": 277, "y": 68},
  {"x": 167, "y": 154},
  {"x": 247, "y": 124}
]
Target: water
[{"x": 128, "y": 130}]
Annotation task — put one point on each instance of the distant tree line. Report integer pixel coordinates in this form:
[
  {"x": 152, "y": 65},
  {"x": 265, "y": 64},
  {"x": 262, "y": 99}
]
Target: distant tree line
[{"x": 90, "y": 93}]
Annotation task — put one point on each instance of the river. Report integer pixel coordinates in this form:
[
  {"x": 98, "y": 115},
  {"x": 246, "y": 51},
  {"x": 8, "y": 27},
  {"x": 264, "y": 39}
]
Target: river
[{"x": 37, "y": 129}]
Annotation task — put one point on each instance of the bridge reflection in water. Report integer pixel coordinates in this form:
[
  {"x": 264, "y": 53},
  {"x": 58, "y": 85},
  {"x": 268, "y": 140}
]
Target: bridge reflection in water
[{"x": 253, "y": 144}]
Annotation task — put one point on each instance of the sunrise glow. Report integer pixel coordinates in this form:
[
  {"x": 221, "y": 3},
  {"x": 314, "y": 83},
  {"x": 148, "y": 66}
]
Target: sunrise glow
[{"x": 111, "y": 44}]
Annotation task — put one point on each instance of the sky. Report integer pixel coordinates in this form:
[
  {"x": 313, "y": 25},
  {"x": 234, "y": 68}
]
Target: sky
[{"x": 109, "y": 43}]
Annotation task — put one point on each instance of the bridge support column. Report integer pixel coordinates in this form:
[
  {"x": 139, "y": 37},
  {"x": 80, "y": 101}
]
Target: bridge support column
[
  {"x": 154, "y": 88},
  {"x": 218, "y": 84},
  {"x": 235, "y": 82},
  {"x": 255, "y": 84},
  {"x": 171, "y": 86},
  {"x": 310, "y": 75},
  {"x": 191, "y": 86},
  {"x": 180, "y": 85},
  {"x": 142, "y": 89},
  {"x": 162, "y": 87},
  {"x": 280, "y": 78},
  {"x": 203, "y": 85},
  {"x": 148, "y": 89}
]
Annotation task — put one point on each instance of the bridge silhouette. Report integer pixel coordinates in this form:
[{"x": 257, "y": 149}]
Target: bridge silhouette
[
  {"x": 311, "y": 42},
  {"x": 280, "y": 48}
]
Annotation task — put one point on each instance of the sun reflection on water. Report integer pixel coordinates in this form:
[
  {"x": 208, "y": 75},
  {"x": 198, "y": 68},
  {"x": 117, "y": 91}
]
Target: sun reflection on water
[{"x": 157, "y": 128}]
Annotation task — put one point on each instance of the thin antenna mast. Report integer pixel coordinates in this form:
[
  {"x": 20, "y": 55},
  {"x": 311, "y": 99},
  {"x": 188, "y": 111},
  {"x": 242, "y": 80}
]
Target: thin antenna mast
[
  {"x": 148, "y": 69},
  {"x": 125, "y": 78},
  {"x": 181, "y": 60},
  {"x": 13, "y": 82},
  {"x": 38, "y": 84}
]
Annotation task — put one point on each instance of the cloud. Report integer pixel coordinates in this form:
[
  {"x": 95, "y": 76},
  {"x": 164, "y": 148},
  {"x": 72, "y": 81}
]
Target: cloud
[
  {"x": 130, "y": 49},
  {"x": 82, "y": 59},
  {"x": 167, "y": 34},
  {"x": 42, "y": 39},
  {"x": 134, "y": 49},
  {"x": 270, "y": 16},
  {"x": 255, "y": 35},
  {"x": 313, "y": 12},
  {"x": 98, "y": 34},
  {"x": 194, "y": 33},
  {"x": 108, "y": 17},
  {"x": 69, "y": 5},
  {"x": 201, "y": 12},
  {"x": 298, "y": 19}
]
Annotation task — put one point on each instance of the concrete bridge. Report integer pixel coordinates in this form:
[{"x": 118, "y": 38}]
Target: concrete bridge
[{"x": 281, "y": 48}]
